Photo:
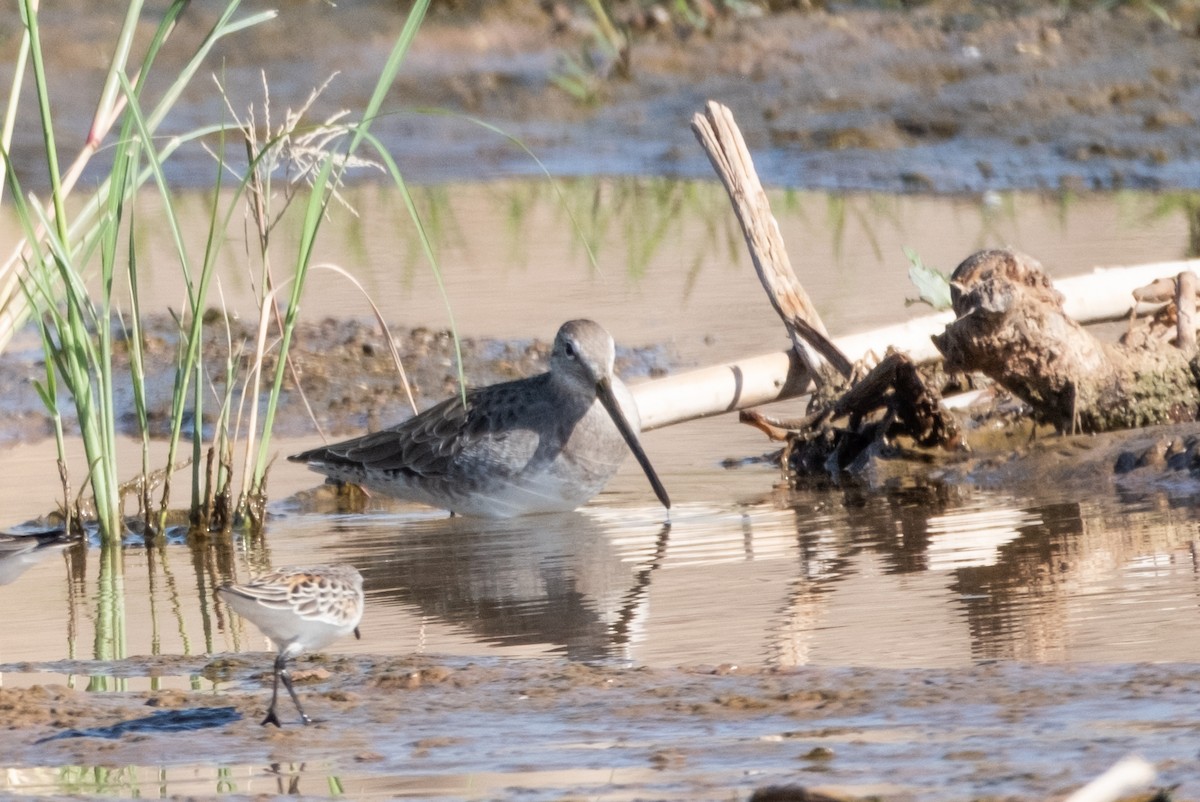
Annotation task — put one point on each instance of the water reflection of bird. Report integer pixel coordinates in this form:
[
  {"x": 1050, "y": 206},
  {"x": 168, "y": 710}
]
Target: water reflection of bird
[
  {"x": 21, "y": 550},
  {"x": 576, "y": 584},
  {"x": 299, "y": 609},
  {"x": 547, "y": 443}
]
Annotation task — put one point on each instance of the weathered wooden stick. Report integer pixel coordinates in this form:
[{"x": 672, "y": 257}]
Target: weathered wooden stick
[
  {"x": 1185, "y": 311},
  {"x": 722, "y": 141}
]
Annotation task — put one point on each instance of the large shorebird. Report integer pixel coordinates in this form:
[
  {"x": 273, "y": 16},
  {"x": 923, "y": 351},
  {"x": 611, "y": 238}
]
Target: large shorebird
[{"x": 547, "y": 443}]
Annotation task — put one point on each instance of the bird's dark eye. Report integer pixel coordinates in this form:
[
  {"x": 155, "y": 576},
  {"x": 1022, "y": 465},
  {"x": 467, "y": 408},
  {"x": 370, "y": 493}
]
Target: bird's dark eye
[{"x": 569, "y": 350}]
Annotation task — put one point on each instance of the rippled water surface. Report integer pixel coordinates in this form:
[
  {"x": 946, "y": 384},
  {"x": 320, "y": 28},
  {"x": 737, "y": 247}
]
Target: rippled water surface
[{"x": 747, "y": 572}]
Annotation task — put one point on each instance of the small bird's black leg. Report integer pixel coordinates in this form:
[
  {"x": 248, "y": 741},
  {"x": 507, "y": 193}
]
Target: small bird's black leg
[
  {"x": 272, "y": 718},
  {"x": 287, "y": 683}
]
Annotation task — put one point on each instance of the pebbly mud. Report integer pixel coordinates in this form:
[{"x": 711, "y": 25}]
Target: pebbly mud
[
  {"x": 948, "y": 96},
  {"x": 550, "y": 728},
  {"x": 342, "y": 375}
]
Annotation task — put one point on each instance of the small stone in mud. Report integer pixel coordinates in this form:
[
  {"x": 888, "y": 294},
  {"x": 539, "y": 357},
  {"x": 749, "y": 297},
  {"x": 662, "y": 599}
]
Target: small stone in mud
[
  {"x": 818, "y": 753},
  {"x": 1155, "y": 455},
  {"x": 422, "y": 747},
  {"x": 968, "y": 754},
  {"x": 172, "y": 699},
  {"x": 741, "y": 702},
  {"x": 1159, "y": 119},
  {"x": 916, "y": 181},
  {"x": 436, "y": 742},
  {"x": 435, "y": 674},
  {"x": 791, "y": 793},
  {"x": 669, "y": 758},
  {"x": 223, "y": 668},
  {"x": 311, "y": 675},
  {"x": 395, "y": 681}
]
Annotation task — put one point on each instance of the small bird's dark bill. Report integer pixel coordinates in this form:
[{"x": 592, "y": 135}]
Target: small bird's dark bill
[{"x": 605, "y": 394}]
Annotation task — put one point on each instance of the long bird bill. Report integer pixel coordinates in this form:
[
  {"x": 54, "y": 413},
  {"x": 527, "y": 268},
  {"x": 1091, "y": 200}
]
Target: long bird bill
[{"x": 605, "y": 394}]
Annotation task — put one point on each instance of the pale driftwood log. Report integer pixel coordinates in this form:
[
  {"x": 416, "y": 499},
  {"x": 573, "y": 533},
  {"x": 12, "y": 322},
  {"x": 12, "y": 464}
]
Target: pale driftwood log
[
  {"x": 722, "y": 141},
  {"x": 1012, "y": 327},
  {"x": 719, "y": 389},
  {"x": 1101, "y": 295},
  {"x": 1127, "y": 776}
]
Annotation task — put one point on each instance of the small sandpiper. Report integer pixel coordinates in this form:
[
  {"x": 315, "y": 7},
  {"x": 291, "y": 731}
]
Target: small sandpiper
[
  {"x": 547, "y": 443},
  {"x": 299, "y": 609}
]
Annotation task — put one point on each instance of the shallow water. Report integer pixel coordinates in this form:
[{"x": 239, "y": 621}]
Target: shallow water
[
  {"x": 747, "y": 573},
  {"x": 753, "y": 577}
]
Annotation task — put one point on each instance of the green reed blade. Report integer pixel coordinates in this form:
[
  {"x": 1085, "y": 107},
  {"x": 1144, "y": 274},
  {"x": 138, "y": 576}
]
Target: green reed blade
[{"x": 315, "y": 212}]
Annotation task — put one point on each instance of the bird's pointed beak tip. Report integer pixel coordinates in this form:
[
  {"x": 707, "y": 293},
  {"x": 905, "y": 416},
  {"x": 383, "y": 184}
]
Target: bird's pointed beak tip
[{"x": 609, "y": 400}]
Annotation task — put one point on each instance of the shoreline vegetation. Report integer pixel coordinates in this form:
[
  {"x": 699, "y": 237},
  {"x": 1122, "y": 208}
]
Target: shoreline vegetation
[
  {"x": 45, "y": 278},
  {"x": 300, "y": 157}
]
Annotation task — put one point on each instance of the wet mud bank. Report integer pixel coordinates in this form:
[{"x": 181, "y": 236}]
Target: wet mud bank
[
  {"x": 483, "y": 729},
  {"x": 346, "y": 372},
  {"x": 949, "y": 96}
]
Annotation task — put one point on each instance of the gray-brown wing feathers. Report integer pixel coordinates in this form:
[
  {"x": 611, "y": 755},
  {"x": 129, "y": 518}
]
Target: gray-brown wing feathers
[{"x": 444, "y": 437}]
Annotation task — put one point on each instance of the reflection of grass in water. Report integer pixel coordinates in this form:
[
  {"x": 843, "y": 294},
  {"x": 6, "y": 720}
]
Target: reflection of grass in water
[
  {"x": 659, "y": 220},
  {"x": 1064, "y": 201},
  {"x": 1186, "y": 204},
  {"x": 226, "y": 781},
  {"x": 1137, "y": 208},
  {"x": 648, "y": 213},
  {"x": 656, "y": 219},
  {"x": 110, "y": 642},
  {"x": 645, "y": 215},
  {"x": 440, "y": 222},
  {"x": 438, "y": 218},
  {"x": 152, "y": 781},
  {"x": 841, "y": 209},
  {"x": 994, "y": 209},
  {"x": 518, "y": 201},
  {"x": 99, "y": 779}
]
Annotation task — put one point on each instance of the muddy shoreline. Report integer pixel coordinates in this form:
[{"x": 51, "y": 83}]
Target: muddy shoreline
[
  {"x": 947, "y": 97},
  {"x": 345, "y": 367},
  {"x": 997, "y": 731}
]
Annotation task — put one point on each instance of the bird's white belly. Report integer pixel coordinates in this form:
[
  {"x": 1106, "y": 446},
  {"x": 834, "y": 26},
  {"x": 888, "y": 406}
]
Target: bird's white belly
[{"x": 559, "y": 486}]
